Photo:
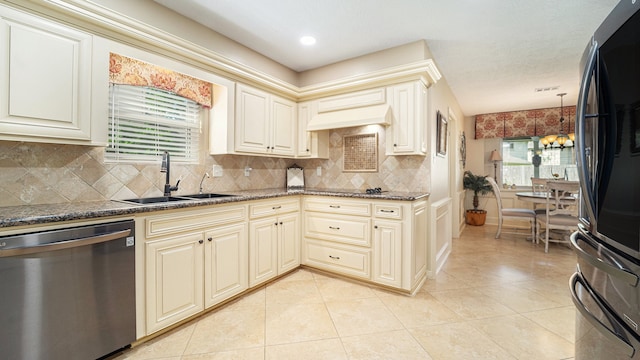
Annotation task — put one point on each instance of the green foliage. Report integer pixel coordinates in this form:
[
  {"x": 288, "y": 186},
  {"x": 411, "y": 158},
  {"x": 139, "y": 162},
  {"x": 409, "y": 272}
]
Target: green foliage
[{"x": 476, "y": 183}]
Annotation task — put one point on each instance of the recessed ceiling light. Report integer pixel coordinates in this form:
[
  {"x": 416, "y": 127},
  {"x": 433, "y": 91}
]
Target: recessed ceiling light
[{"x": 307, "y": 40}]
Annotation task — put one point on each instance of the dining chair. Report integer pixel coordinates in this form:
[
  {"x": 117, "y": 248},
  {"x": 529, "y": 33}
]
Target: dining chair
[
  {"x": 539, "y": 185},
  {"x": 558, "y": 214},
  {"x": 511, "y": 213}
]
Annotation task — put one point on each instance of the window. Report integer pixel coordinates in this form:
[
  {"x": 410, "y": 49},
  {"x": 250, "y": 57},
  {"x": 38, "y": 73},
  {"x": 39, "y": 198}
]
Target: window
[
  {"x": 518, "y": 168},
  {"x": 144, "y": 122}
]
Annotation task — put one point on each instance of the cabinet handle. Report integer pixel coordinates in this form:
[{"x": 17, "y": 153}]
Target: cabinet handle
[
  {"x": 200, "y": 241},
  {"x": 335, "y": 257},
  {"x": 387, "y": 211},
  {"x": 335, "y": 206},
  {"x": 210, "y": 238},
  {"x": 276, "y": 207},
  {"x": 334, "y": 228}
]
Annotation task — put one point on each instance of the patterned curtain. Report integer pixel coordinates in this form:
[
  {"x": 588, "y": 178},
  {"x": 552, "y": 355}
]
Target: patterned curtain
[
  {"x": 125, "y": 70},
  {"x": 523, "y": 123}
]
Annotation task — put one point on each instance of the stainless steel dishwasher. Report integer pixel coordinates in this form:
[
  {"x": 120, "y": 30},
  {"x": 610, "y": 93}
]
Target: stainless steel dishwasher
[{"x": 69, "y": 293}]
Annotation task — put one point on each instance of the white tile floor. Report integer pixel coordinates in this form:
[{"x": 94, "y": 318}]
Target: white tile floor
[{"x": 494, "y": 299}]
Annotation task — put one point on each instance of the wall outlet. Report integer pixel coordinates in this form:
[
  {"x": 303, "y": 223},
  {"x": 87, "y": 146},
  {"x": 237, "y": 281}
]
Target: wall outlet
[
  {"x": 247, "y": 171},
  {"x": 319, "y": 171},
  {"x": 217, "y": 171}
]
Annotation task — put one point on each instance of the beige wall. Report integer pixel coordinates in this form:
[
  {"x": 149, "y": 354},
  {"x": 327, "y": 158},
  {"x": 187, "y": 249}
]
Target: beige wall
[{"x": 400, "y": 55}]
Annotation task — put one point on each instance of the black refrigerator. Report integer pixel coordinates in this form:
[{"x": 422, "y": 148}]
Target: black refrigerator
[{"x": 605, "y": 287}]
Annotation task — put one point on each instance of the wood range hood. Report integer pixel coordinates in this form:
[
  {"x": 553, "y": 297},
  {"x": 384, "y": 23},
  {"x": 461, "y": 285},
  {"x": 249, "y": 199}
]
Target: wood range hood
[{"x": 368, "y": 115}]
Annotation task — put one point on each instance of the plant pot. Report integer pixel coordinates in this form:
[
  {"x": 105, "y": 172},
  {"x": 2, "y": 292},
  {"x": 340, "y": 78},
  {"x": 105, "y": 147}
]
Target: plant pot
[{"x": 476, "y": 217}]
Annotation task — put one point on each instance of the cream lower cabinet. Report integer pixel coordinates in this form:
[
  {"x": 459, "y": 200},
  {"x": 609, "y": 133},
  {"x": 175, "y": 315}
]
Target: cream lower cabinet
[
  {"x": 175, "y": 270},
  {"x": 225, "y": 263},
  {"x": 380, "y": 241},
  {"x": 194, "y": 259},
  {"x": 274, "y": 238}
]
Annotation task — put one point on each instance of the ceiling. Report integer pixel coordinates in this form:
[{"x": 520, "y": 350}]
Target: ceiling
[{"x": 493, "y": 53}]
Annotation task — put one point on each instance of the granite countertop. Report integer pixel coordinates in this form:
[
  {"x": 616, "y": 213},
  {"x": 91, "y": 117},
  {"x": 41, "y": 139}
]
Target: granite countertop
[{"x": 42, "y": 214}]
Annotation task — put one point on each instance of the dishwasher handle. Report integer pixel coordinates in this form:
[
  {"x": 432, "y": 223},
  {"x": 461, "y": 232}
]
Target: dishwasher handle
[{"x": 65, "y": 244}]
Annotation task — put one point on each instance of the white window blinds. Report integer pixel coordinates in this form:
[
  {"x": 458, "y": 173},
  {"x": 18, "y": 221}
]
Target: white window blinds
[{"x": 144, "y": 122}]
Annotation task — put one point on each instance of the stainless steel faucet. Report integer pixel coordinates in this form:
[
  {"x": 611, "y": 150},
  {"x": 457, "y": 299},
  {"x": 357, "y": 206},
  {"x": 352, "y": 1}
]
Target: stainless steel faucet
[
  {"x": 166, "y": 168},
  {"x": 206, "y": 175}
]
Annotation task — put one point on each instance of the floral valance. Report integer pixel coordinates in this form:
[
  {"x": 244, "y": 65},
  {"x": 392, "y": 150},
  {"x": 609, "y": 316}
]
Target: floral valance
[
  {"x": 538, "y": 122},
  {"x": 125, "y": 70}
]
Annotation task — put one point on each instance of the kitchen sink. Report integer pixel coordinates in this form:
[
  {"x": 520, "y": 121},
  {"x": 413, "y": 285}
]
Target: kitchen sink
[
  {"x": 206, "y": 196},
  {"x": 159, "y": 199}
]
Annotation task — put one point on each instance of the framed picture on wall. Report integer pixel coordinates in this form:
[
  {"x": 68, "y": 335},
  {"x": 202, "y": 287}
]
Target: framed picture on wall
[{"x": 441, "y": 148}]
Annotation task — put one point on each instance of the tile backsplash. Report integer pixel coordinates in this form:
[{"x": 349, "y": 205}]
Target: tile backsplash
[{"x": 33, "y": 173}]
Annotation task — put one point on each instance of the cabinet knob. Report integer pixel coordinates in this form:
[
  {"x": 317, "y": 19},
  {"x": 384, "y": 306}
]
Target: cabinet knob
[
  {"x": 280, "y": 222},
  {"x": 395, "y": 145},
  {"x": 200, "y": 241},
  {"x": 275, "y": 223},
  {"x": 210, "y": 239},
  {"x": 308, "y": 150},
  {"x": 375, "y": 226}
]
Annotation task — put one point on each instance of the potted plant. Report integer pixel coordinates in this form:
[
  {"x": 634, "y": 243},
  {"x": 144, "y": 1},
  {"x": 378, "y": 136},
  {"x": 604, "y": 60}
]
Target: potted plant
[{"x": 480, "y": 186}]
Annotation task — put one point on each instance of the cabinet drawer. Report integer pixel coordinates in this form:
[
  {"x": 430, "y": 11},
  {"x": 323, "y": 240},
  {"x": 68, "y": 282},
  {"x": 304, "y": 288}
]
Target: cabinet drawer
[
  {"x": 388, "y": 211},
  {"x": 190, "y": 220},
  {"x": 336, "y": 205},
  {"x": 344, "y": 229},
  {"x": 274, "y": 207},
  {"x": 345, "y": 260}
]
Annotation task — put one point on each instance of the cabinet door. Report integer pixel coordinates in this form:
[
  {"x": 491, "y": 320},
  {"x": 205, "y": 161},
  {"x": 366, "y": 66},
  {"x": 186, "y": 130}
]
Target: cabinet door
[
  {"x": 288, "y": 242},
  {"x": 387, "y": 253},
  {"x": 263, "y": 250},
  {"x": 283, "y": 122},
  {"x": 225, "y": 263},
  {"x": 408, "y": 102},
  {"x": 46, "y": 72},
  {"x": 313, "y": 144},
  {"x": 253, "y": 128},
  {"x": 174, "y": 271},
  {"x": 304, "y": 136}
]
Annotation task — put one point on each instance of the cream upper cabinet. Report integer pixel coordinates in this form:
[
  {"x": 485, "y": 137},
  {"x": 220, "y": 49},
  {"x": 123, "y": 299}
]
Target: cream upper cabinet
[
  {"x": 46, "y": 92},
  {"x": 407, "y": 135},
  {"x": 311, "y": 144},
  {"x": 265, "y": 124}
]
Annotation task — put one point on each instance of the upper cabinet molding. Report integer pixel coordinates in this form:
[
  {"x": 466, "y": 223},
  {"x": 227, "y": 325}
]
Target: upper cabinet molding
[
  {"x": 424, "y": 70},
  {"x": 110, "y": 24}
]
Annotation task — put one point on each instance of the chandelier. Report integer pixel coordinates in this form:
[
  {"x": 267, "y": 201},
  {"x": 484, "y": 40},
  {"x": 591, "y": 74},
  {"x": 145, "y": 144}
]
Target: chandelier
[{"x": 561, "y": 139}]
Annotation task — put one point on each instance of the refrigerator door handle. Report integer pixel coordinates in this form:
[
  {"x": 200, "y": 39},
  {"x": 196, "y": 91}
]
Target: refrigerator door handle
[
  {"x": 597, "y": 324},
  {"x": 628, "y": 277},
  {"x": 586, "y": 182}
]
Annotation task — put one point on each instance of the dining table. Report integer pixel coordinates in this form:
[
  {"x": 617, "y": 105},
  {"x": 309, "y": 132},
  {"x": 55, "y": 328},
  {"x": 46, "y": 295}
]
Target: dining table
[{"x": 540, "y": 197}]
